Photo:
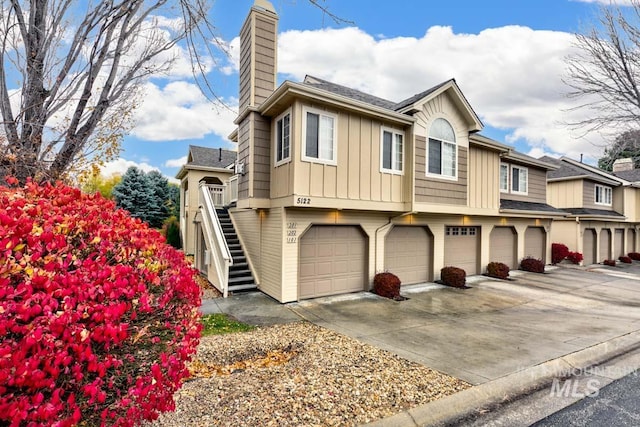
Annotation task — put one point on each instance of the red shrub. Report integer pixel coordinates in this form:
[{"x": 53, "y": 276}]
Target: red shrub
[
  {"x": 558, "y": 252},
  {"x": 625, "y": 259},
  {"x": 609, "y": 262},
  {"x": 453, "y": 276},
  {"x": 532, "y": 264},
  {"x": 386, "y": 285},
  {"x": 575, "y": 257},
  {"x": 498, "y": 270},
  {"x": 98, "y": 316},
  {"x": 634, "y": 256}
]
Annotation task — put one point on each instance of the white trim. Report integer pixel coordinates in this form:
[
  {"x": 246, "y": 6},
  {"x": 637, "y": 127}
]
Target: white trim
[
  {"x": 287, "y": 159},
  {"x": 526, "y": 190},
  {"x": 453, "y": 177},
  {"x": 394, "y": 159},
  {"x": 505, "y": 190},
  {"x": 304, "y": 157},
  {"x": 605, "y": 189}
]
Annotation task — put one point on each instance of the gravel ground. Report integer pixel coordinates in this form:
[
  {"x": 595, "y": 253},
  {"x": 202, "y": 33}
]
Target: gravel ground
[{"x": 299, "y": 374}]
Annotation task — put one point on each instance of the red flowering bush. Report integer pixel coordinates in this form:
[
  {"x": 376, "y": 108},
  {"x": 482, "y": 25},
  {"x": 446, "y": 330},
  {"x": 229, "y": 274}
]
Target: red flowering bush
[
  {"x": 609, "y": 262},
  {"x": 634, "y": 256},
  {"x": 625, "y": 259},
  {"x": 453, "y": 276},
  {"x": 498, "y": 270},
  {"x": 98, "y": 316},
  {"x": 387, "y": 285},
  {"x": 559, "y": 252},
  {"x": 532, "y": 264},
  {"x": 575, "y": 257}
]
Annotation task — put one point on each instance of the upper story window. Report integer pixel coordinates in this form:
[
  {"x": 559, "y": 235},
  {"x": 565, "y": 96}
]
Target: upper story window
[
  {"x": 320, "y": 136},
  {"x": 442, "y": 150},
  {"x": 603, "y": 195},
  {"x": 504, "y": 178},
  {"x": 392, "y": 151},
  {"x": 519, "y": 180},
  {"x": 283, "y": 138}
]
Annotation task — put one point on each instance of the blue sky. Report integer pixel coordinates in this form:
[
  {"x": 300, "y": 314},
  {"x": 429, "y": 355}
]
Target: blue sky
[{"x": 506, "y": 55}]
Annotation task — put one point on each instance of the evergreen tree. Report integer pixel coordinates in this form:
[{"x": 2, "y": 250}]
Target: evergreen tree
[
  {"x": 174, "y": 200},
  {"x": 626, "y": 145},
  {"x": 135, "y": 194},
  {"x": 158, "y": 211}
]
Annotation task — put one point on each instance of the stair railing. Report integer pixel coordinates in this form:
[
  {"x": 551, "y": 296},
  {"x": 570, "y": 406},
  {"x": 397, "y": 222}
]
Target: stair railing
[{"x": 219, "y": 253}]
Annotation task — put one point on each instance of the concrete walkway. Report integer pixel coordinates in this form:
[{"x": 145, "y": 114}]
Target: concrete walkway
[{"x": 496, "y": 327}]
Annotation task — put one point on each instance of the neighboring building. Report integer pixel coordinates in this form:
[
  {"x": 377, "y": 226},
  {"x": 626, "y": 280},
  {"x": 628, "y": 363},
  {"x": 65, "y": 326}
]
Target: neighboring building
[
  {"x": 212, "y": 166},
  {"x": 602, "y": 208},
  {"x": 335, "y": 185}
]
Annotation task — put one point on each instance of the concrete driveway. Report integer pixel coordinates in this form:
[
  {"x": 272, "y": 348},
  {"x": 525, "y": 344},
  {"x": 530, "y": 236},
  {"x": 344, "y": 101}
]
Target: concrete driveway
[{"x": 496, "y": 327}]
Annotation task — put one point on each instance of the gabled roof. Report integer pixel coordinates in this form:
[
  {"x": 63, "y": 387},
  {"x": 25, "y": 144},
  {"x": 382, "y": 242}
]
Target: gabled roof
[
  {"x": 631, "y": 176},
  {"x": 585, "y": 212},
  {"x": 211, "y": 157},
  {"x": 571, "y": 169},
  {"x": 348, "y": 92},
  {"x": 418, "y": 96},
  {"x": 515, "y": 205}
]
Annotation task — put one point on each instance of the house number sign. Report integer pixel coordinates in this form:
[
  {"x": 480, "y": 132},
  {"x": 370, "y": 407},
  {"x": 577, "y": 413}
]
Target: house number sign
[{"x": 292, "y": 232}]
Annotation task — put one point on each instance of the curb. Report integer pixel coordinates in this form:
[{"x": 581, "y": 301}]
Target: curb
[{"x": 463, "y": 404}]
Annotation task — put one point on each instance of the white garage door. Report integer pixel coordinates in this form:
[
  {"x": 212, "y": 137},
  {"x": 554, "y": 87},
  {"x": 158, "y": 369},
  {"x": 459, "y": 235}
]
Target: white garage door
[
  {"x": 605, "y": 244},
  {"x": 503, "y": 246},
  {"x": 333, "y": 260},
  {"x": 589, "y": 246},
  {"x": 461, "y": 246},
  {"x": 619, "y": 243},
  {"x": 534, "y": 243},
  {"x": 407, "y": 254}
]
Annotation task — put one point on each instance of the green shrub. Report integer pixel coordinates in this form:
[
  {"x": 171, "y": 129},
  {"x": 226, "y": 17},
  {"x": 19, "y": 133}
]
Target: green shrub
[
  {"x": 171, "y": 231},
  {"x": 532, "y": 264},
  {"x": 387, "y": 285},
  {"x": 498, "y": 270},
  {"x": 453, "y": 276}
]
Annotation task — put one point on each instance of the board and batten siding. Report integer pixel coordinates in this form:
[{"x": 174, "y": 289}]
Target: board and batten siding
[
  {"x": 244, "y": 156},
  {"x": 443, "y": 191},
  {"x": 536, "y": 185},
  {"x": 261, "y": 155},
  {"x": 565, "y": 194},
  {"x": 484, "y": 175},
  {"x": 357, "y": 175}
]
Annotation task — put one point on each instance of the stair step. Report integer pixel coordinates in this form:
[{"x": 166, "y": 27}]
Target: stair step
[
  {"x": 234, "y": 244},
  {"x": 241, "y": 280},
  {"x": 239, "y": 259},
  {"x": 246, "y": 287},
  {"x": 239, "y": 266}
]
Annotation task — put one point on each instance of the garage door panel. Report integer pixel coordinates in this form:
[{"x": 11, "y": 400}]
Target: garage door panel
[
  {"x": 619, "y": 242},
  {"x": 408, "y": 254},
  {"x": 503, "y": 246},
  {"x": 589, "y": 246},
  {"x": 461, "y": 247},
  {"x": 535, "y": 243},
  {"x": 605, "y": 245},
  {"x": 631, "y": 240},
  {"x": 332, "y": 260}
]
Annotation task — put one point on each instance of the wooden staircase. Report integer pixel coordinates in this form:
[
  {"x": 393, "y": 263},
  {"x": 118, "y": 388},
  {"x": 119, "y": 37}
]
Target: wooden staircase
[{"x": 240, "y": 277}]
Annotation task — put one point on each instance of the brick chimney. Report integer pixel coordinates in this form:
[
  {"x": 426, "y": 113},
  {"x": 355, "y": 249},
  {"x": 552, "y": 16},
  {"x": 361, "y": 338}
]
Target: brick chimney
[
  {"x": 258, "y": 44},
  {"x": 622, "y": 165}
]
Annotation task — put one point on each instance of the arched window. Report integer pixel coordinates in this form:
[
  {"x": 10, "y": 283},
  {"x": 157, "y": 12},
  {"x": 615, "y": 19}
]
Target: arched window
[{"x": 442, "y": 149}]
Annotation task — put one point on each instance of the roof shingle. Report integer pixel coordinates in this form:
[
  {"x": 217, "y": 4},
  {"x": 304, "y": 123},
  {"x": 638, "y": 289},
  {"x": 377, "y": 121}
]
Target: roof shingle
[{"x": 211, "y": 157}]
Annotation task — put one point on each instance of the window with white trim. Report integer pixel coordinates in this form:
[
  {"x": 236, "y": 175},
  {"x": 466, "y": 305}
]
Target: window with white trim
[
  {"x": 504, "y": 178},
  {"x": 603, "y": 195},
  {"x": 391, "y": 151},
  {"x": 283, "y": 138},
  {"x": 320, "y": 136},
  {"x": 519, "y": 180},
  {"x": 442, "y": 150}
]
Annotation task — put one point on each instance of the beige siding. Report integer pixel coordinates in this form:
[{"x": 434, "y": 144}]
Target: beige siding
[
  {"x": 247, "y": 225},
  {"x": 357, "y": 175},
  {"x": 484, "y": 174},
  {"x": 565, "y": 194},
  {"x": 589, "y": 196},
  {"x": 536, "y": 186},
  {"x": 433, "y": 190},
  {"x": 244, "y": 156},
  {"x": 245, "y": 65},
  {"x": 261, "y": 165}
]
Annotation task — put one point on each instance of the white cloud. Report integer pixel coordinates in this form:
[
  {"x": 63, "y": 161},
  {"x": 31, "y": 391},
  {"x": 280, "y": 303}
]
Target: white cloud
[
  {"x": 180, "y": 111},
  {"x": 176, "y": 163},
  {"x": 120, "y": 166},
  {"x": 511, "y": 75},
  {"x": 608, "y": 2}
]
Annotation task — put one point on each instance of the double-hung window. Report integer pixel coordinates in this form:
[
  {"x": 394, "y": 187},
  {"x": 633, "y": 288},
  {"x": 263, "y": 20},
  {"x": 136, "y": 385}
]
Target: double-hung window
[
  {"x": 519, "y": 180},
  {"x": 392, "y": 151},
  {"x": 283, "y": 138},
  {"x": 603, "y": 195},
  {"x": 320, "y": 136},
  {"x": 442, "y": 150},
  {"x": 504, "y": 178}
]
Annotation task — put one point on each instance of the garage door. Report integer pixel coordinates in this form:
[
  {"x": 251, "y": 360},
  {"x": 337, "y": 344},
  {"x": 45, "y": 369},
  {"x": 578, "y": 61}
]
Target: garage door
[
  {"x": 631, "y": 240},
  {"x": 605, "y": 245},
  {"x": 333, "y": 260},
  {"x": 407, "y": 254},
  {"x": 589, "y": 246},
  {"x": 503, "y": 246},
  {"x": 534, "y": 243},
  {"x": 461, "y": 246},
  {"x": 619, "y": 243}
]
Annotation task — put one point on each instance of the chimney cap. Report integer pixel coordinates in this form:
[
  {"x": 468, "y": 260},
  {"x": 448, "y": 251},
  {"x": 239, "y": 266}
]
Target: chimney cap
[
  {"x": 621, "y": 165},
  {"x": 264, "y": 5}
]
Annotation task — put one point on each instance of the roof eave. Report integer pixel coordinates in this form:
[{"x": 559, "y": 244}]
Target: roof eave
[
  {"x": 604, "y": 175},
  {"x": 529, "y": 214},
  {"x": 489, "y": 143},
  {"x": 515, "y": 156}
]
